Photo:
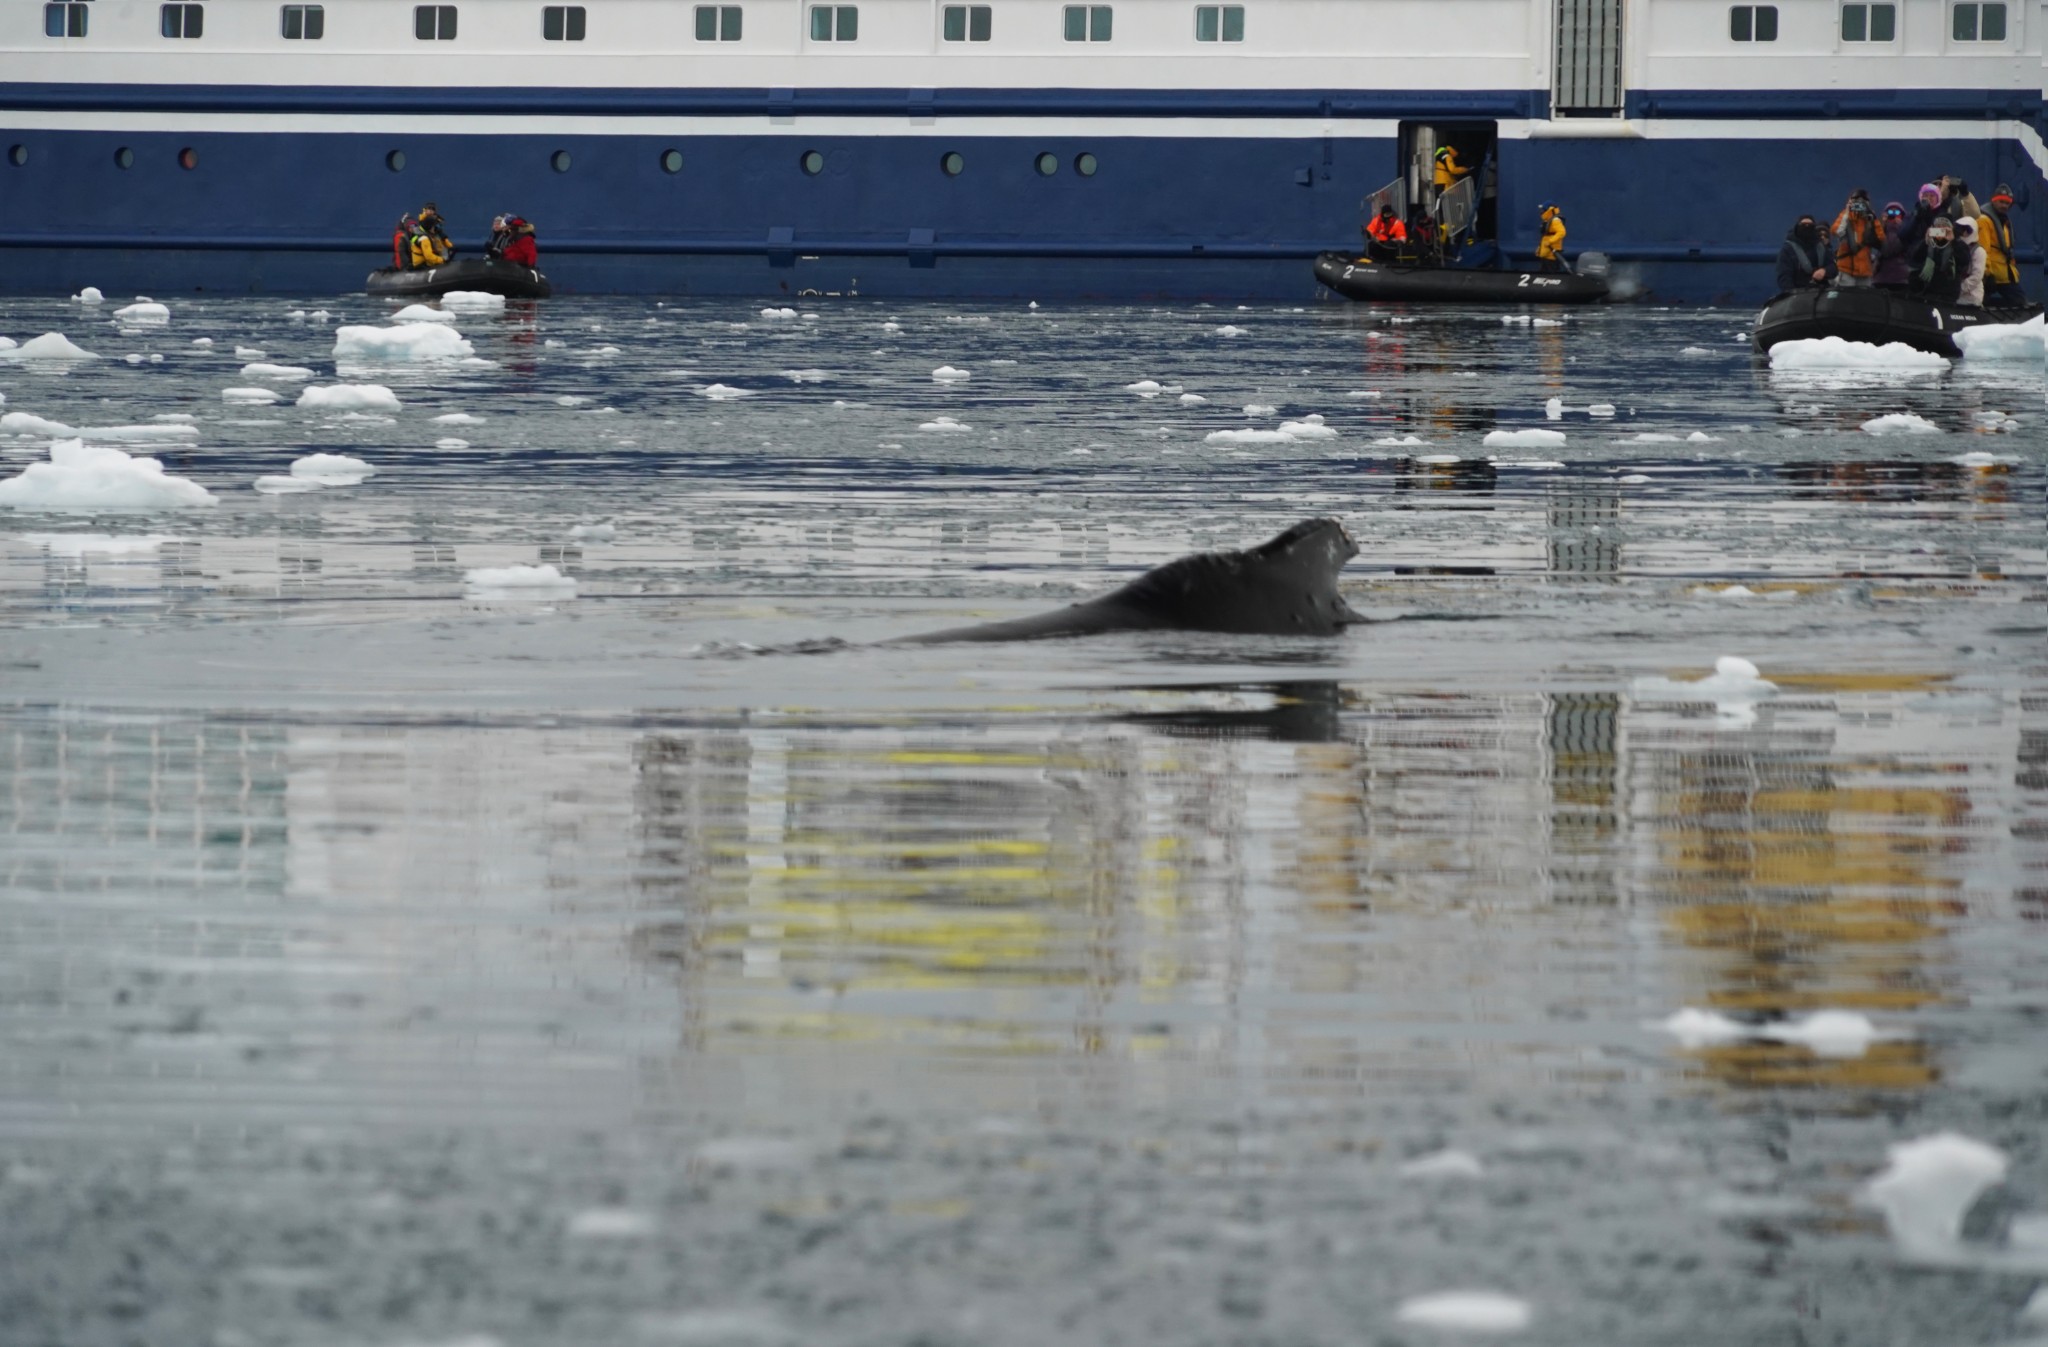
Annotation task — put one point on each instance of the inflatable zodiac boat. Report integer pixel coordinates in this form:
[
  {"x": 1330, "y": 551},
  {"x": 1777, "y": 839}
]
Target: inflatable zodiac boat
[
  {"x": 492, "y": 275},
  {"x": 1358, "y": 278},
  {"x": 1877, "y": 317}
]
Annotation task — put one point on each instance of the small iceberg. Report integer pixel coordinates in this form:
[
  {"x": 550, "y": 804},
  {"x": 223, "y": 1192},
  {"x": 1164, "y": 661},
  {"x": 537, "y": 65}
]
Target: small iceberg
[
  {"x": 2004, "y": 341},
  {"x": 519, "y": 582},
  {"x": 1929, "y": 1186},
  {"x": 79, "y": 476},
  {"x": 90, "y": 295},
  {"x": 472, "y": 301},
  {"x": 421, "y": 313},
  {"x": 1840, "y": 353},
  {"x": 278, "y": 373},
  {"x": 351, "y": 397},
  {"x": 1533, "y": 438},
  {"x": 390, "y": 345},
  {"x": 145, "y": 314},
  {"x": 51, "y": 346},
  {"x": 1466, "y": 1312},
  {"x": 1900, "y": 423},
  {"x": 331, "y": 469},
  {"x": 947, "y": 374}
]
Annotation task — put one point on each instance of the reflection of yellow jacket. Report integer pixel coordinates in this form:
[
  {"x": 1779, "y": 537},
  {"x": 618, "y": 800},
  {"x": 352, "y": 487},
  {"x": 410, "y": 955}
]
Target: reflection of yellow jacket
[
  {"x": 423, "y": 253},
  {"x": 1995, "y": 237},
  {"x": 1448, "y": 170},
  {"x": 1552, "y": 246}
]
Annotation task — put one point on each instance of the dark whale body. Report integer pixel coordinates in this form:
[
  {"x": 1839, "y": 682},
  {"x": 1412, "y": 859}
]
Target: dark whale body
[{"x": 1287, "y": 587}]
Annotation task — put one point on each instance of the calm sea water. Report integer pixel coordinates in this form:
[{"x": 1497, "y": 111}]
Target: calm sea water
[{"x": 390, "y": 961}]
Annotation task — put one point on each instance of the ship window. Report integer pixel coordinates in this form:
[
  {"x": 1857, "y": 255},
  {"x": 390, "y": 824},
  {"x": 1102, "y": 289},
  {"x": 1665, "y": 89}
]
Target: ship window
[
  {"x": 188, "y": 158},
  {"x": 1978, "y": 23},
  {"x": 1869, "y": 23},
  {"x": 181, "y": 20},
  {"x": 561, "y": 23},
  {"x": 718, "y": 23},
  {"x": 124, "y": 158},
  {"x": 1086, "y": 23},
  {"x": 305, "y": 23},
  {"x": 64, "y": 20},
  {"x": 17, "y": 155},
  {"x": 671, "y": 161},
  {"x": 812, "y": 163},
  {"x": 835, "y": 23},
  {"x": 433, "y": 23},
  {"x": 968, "y": 23},
  {"x": 1753, "y": 23},
  {"x": 559, "y": 161},
  {"x": 950, "y": 163},
  {"x": 1047, "y": 164},
  {"x": 1219, "y": 23},
  {"x": 1084, "y": 164},
  {"x": 395, "y": 161}
]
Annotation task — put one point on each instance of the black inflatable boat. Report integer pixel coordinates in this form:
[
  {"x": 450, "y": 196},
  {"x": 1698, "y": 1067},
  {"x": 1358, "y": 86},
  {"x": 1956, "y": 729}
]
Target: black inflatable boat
[
  {"x": 1357, "y": 278},
  {"x": 1875, "y": 316},
  {"x": 491, "y": 275}
]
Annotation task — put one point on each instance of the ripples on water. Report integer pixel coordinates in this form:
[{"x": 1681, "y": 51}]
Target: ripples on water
[{"x": 388, "y": 965}]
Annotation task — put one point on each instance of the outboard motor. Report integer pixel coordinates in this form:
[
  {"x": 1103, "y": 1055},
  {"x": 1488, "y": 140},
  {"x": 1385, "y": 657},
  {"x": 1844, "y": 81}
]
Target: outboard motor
[{"x": 1593, "y": 264}]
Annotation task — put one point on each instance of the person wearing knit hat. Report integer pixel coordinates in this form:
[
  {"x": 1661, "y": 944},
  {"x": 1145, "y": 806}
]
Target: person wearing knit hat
[
  {"x": 2002, "y": 289},
  {"x": 1891, "y": 254}
]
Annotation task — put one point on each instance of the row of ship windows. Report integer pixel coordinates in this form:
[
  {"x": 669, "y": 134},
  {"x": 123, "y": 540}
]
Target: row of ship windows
[
  {"x": 811, "y": 162},
  {"x": 714, "y": 23},
  {"x": 1969, "y": 21}
]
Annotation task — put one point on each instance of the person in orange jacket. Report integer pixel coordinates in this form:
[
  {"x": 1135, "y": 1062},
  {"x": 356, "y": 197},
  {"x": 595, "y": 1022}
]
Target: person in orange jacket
[
  {"x": 1859, "y": 242},
  {"x": 1382, "y": 233}
]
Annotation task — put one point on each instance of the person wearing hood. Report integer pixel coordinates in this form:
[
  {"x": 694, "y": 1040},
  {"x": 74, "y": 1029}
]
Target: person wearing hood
[
  {"x": 520, "y": 246},
  {"x": 1806, "y": 261},
  {"x": 1891, "y": 273},
  {"x": 1550, "y": 248},
  {"x": 1937, "y": 266},
  {"x": 1927, "y": 207},
  {"x": 2001, "y": 270},
  {"x": 1971, "y": 293},
  {"x": 401, "y": 243},
  {"x": 1383, "y": 235},
  {"x": 1859, "y": 237}
]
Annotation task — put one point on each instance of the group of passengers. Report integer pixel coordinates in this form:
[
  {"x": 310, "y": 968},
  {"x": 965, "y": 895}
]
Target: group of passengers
[
  {"x": 1950, "y": 250},
  {"x": 422, "y": 241},
  {"x": 1420, "y": 239}
]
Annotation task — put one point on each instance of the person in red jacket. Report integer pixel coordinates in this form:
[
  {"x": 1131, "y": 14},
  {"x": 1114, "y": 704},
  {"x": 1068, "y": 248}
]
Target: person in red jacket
[
  {"x": 520, "y": 248},
  {"x": 401, "y": 244},
  {"x": 1382, "y": 232}
]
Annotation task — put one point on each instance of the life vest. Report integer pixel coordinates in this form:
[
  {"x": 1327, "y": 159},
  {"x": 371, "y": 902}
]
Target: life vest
[
  {"x": 1551, "y": 248},
  {"x": 1994, "y": 235},
  {"x": 401, "y": 248},
  {"x": 1940, "y": 263},
  {"x": 1387, "y": 229}
]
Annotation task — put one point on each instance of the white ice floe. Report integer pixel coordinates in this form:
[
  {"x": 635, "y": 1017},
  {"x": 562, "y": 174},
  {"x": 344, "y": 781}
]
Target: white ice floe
[
  {"x": 594, "y": 533},
  {"x": 351, "y": 397},
  {"x": 24, "y": 423},
  {"x": 51, "y": 346},
  {"x": 603, "y": 351},
  {"x": 1364, "y": 393},
  {"x": 202, "y": 341},
  {"x": 1466, "y": 1312},
  {"x": 457, "y": 419},
  {"x": 1829, "y": 1033},
  {"x": 145, "y": 314},
  {"x": 806, "y": 376},
  {"x": 892, "y": 327},
  {"x": 450, "y": 442},
  {"x": 1701, "y": 437},
  {"x": 1543, "y": 463},
  {"x": 1633, "y": 479},
  {"x": 1928, "y": 1188},
  {"x": 332, "y": 469},
  {"x": 421, "y": 313},
  {"x": 1900, "y": 423},
  {"x": 575, "y": 400},
  {"x": 1397, "y": 441},
  {"x": 186, "y": 417},
  {"x": 472, "y": 301},
  {"x": 611, "y": 1223},
  {"x": 1533, "y": 438},
  {"x": 90, "y": 295},
  {"x": 1249, "y": 437},
  {"x": 1446, "y": 1164},
  {"x": 1840, "y": 353},
  {"x": 413, "y": 341},
  {"x": 1193, "y": 400},
  {"x": 1653, "y": 437},
  {"x": 1146, "y": 388},
  {"x": 1438, "y": 460},
  {"x": 1309, "y": 427},
  {"x": 1977, "y": 458},
  {"x": 275, "y": 485},
  {"x": 279, "y": 373},
  {"x": 1695, "y": 352},
  {"x": 538, "y": 582},
  {"x": 2004, "y": 341},
  {"x": 945, "y": 425},
  {"x": 778, "y": 315},
  {"x": 1600, "y": 409},
  {"x": 1230, "y": 330},
  {"x": 1260, "y": 409},
  {"x": 79, "y": 476},
  {"x": 252, "y": 396},
  {"x": 947, "y": 374},
  {"x": 1553, "y": 410},
  {"x": 717, "y": 393},
  {"x": 81, "y": 545}
]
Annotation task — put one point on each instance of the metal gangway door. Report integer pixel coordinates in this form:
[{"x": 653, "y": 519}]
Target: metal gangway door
[
  {"x": 1456, "y": 209},
  {"x": 1588, "y": 59},
  {"x": 1394, "y": 194}
]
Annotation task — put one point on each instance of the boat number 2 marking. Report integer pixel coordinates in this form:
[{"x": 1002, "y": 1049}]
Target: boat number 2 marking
[{"x": 1522, "y": 282}]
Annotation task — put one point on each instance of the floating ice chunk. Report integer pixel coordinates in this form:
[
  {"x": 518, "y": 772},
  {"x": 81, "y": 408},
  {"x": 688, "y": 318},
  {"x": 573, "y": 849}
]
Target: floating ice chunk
[
  {"x": 1538, "y": 322},
  {"x": 594, "y": 533},
  {"x": 1900, "y": 423},
  {"x": 295, "y": 316},
  {"x": 1193, "y": 400},
  {"x": 1839, "y": 353},
  {"x": 1249, "y": 437},
  {"x": 279, "y": 373},
  {"x": 1633, "y": 479},
  {"x": 253, "y": 396},
  {"x": 541, "y": 582},
  {"x": 332, "y": 469},
  {"x": 554, "y": 342},
  {"x": 778, "y": 315},
  {"x": 1230, "y": 330},
  {"x": 947, "y": 374},
  {"x": 202, "y": 341},
  {"x": 457, "y": 419},
  {"x": 162, "y": 416},
  {"x": 1830, "y": 1033},
  {"x": 1735, "y": 676},
  {"x": 1523, "y": 439},
  {"x": 576, "y": 400},
  {"x": 805, "y": 376},
  {"x": 320, "y": 316},
  {"x": 2004, "y": 341},
  {"x": 1397, "y": 441},
  {"x": 90, "y": 295},
  {"x": 1601, "y": 409},
  {"x": 1447, "y": 1164},
  {"x": 50, "y": 346},
  {"x": 351, "y": 397},
  {"x": 1438, "y": 460},
  {"x": 1733, "y": 592},
  {"x": 1654, "y": 437},
  {"x": 1364, "y": 393},
  {"x": 892, "y": 327},
  {"x": 1553, "y": 410},
  {"x": 604, "y": 350},
  {"x": 716, "y": 392},
  {"x": 1146, "y": 388},
  {"x": 133, "y": 358},
  {"x": 421, "y": 313},
  {"x": 146, "y": 313},
  {"x": 1701, "y": 437},
  {"x": 1703, "y": 1028},
  {"x": 80, "y": 545},
  {"x": 611, "y": 1223},
  {"x": 250, "y": 353},
  {"x": 1260, "y": 409},
  {"x": 1310, "y": 427},
  {"x": 1976, "y": 458},
  {"x": 1515, "y": 320},
  {"x": 1544, "y": 463},
  {"x": 23, "y": 423},
  {"x": 1466, "y": 1312},
  {"x": 472, "y": 301},
  {"x": 2035, "y": 1311},
  {"x": 945, "y": 425},
  {"x": 413, "y": 341},
  {"x": 450, "y": 442},
  {"x": 79, "y": 476},
  {"x": 1928, "y": 1187},
  {"x": 284, "y": 486},
  {"x": 1695, "y": 352}
]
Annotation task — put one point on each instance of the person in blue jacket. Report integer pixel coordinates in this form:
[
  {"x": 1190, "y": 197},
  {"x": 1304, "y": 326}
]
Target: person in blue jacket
[{"x": 1806, "y": 259}]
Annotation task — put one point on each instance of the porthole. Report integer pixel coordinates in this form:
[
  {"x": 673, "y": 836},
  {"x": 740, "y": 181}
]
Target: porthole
[
  {"x": 124, "y": 158},
  {"x": 950, "y": 163},
  {"x": 671, "y": 161},
  {"x": 395, "y": 161},
  {"x": 17, "y": 155},
  {"x": 559, "y": 161},
  {"x": 1048, "y": 164},
  {"x": 1084, "y": 164},
  {"x": 188, "y": 158},
  {"x": 812, "y": 163}
]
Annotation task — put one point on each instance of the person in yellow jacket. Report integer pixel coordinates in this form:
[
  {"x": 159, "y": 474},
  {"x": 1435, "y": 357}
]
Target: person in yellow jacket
[
  {"x": 2001, "y": 271},
  {"x": 1550, "y": 251},
  {"x": 424, "y": 253},
  {"x": 1448, "y": 169}
]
